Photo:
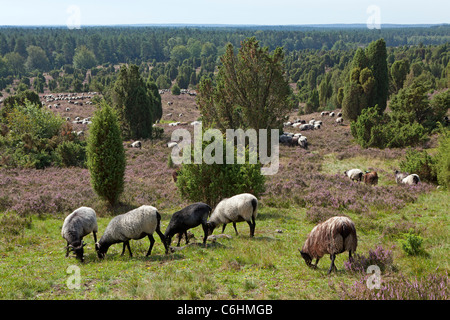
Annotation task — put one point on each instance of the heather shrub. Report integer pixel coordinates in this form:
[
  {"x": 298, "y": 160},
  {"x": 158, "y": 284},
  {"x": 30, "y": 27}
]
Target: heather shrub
[
  {"x": 421, "y": 163},
  {"x": 379, "y": 256},
  {"x": 433, "y": 287},
  {"x": 411, "y": 243}
]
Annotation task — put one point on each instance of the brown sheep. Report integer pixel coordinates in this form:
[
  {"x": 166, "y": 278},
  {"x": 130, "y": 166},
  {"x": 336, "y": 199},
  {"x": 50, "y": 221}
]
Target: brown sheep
[
  {"x": 333, "y": 236},
  {"x": 371, "y": 178}
]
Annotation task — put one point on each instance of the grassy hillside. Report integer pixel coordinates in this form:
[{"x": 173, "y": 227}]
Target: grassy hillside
[{"x": 309, "y": 187}]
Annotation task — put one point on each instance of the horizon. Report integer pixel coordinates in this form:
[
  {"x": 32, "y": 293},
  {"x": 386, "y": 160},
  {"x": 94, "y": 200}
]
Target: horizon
[{"x": 84, "y": 13}]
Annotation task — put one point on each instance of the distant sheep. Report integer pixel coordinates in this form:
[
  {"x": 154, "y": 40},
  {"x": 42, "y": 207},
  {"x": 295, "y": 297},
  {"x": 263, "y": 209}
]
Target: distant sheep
[
  {"x": 371, "y": 178},
  {"x": 187, "y": 218},
  {"x": 331, "y": 114},
  {"x": 411, "y": 179},
  {"x": 303, "y": 142},
  {"x": 354, "y": 174},
  {"x": 76, "y": 225},
  {"x": 241, "y": 207},
  {"x": 135, "y": 224},
  {"x": 333, "y": 236},
  {"x": 399, "y": 176},
  {"x": 136, "y": 144},
  {"x": 339, "y": 120}
]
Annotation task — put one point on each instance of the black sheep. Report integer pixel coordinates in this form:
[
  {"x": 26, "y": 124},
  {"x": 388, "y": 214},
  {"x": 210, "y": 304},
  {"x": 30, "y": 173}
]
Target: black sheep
[{"x": 187, "y": 218}]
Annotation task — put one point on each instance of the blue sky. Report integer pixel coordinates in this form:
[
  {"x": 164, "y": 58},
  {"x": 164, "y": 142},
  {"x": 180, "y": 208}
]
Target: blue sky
[{"x": 265, "y": 12}]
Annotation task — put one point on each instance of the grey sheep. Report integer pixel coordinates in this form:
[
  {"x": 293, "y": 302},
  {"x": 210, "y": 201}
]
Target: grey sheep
[
  {"x": 135, "y": 224},
  {"x": 187, "y": 218},
  {"x": 76, "y": 225},
  {"x": 241, "y": 207},
  {"x": 333, "y": 236}
]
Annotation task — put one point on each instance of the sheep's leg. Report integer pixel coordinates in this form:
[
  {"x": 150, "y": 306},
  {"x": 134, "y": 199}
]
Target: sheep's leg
[
  {"x": 123, "y": 248},
  {"x": 186, "y": 237},
  {"x": 180, "y": 235},
  {"x": 350, "y": 255},
  {"x": 234, "y": 226},
  {"x": 152, "y": 242},
  {"x": 252, "y": 227},
  {"x": 332, "y": 266},
  {"x": 223, "y": 227},
  {"x": 205, "y": 231},
  {"x": 95, "y": 236},
  {"x": 163, "y": 239},
  {"x": 67, "y": 250},
  {"x": 129, "y": 248}
]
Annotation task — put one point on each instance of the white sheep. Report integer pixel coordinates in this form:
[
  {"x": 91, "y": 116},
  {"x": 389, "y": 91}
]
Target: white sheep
[
  {"x": 241, "y": 207},
  {"x": 76, "y": 225},
  {"x": 333, "y": 236},
  {"x": 136, "y": 144},
  {"x": 354, "y": 174},
  {"x": 135, "y": 224},
  {"x": 411, "y": 179}
]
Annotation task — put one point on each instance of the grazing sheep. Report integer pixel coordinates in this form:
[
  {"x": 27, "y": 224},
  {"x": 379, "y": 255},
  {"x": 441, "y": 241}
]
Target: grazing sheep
[
  {"x": 303, "y": 142},
  {"x": 371, "y": 178},
  {"x": 135, "y": 224},
  {"x": 136, "y": 144},
  {"x": 399, "y": 176},
  {"x": 340, "y": 120},
  {"x": 334, "y": 236},
  {"x": 241, "y": 207},
  {"x": 411, "y": 179},
  {"x": 306, "y": 126},
  {"x": 76, "y": 225},
  {"x": 339, "y": 114},
  {"x": 324, "y": 113},
  {"x": 331, "y": 114},
  {"x": 187, "y": 218},
  {"x": 354, "y": 174}
]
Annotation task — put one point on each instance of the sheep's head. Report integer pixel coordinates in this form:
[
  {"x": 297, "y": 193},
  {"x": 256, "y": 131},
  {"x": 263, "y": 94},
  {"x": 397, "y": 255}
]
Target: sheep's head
[
  {"x": 77, "y": 248},
  {"x": 306, "y": 257},
  {"x": 211, "y": 226},
  {"x": 100, "y": 253}
]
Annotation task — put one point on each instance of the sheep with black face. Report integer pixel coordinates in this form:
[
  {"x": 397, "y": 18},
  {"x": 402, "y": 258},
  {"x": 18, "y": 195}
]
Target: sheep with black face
[
  {"x": 76, "y": 225},
  {"x": 135, "y": 224}
]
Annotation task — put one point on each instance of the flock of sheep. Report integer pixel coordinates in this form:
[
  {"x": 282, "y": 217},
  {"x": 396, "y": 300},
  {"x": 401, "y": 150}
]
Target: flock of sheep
[
  {"x": 371, "y": 177},
  {"x": 334, "y": 236}
]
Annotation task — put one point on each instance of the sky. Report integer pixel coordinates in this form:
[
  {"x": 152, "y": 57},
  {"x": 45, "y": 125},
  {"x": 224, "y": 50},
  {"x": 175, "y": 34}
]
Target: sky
[{"x": 76, "y": 13}]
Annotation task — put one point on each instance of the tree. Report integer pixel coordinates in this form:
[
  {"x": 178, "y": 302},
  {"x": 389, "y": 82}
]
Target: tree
[
  {"x": 135, "y": 105},
  {"x": 37, "y": 59},
  {"x": 210, "y": 183},
  {"x": 354, "y": 101},
  {"x": 84, "y": 58},
  {"x": 251, "y": 90},
  {"x": 399, "y": 70},
  {"x": 105, "y": 154},
  {"x": 163, "y": 82},
  {"x": 377, "y": 62}
]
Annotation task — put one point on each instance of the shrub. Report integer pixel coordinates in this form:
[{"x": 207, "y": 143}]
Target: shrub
[
  {"x": 71, "y": 154},
  {"x": 442, "y": 159},
  {"x": 412, "y": 243},
  {"x": 210, "y": 183},
  {"x": 421, "y": 163},
  {"x": 106, "y": 155},
  {"x": 433, "y": 287},
  {"x": 176, "y": 90},
  {"x": 378, "y": 256}
]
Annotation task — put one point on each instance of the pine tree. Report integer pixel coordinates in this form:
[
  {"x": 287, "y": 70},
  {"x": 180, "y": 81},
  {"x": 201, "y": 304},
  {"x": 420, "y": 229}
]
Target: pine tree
[
  {"x": 135, "y": 104},
  {"x": 377, "y": 62},
  {"x": 105, "y": 154}
]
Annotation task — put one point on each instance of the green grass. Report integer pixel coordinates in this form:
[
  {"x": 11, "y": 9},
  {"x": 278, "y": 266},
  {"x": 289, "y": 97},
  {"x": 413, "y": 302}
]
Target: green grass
[{"x": 269, "y": 266}]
